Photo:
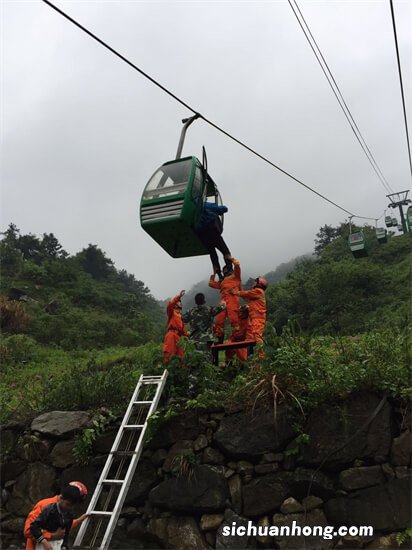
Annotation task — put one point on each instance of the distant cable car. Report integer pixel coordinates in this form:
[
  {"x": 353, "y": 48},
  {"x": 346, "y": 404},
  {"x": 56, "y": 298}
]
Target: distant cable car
[
  {"x": 388, "y": 221},
  {"x": 409, "y": 218},
  {"x": 172, "y": 202},
  {"x": 394, "y": 222},
  {"x": 357, "y": 244},
  {"x": 381, "y": 234},
  {"x": 400, "y": 228}
]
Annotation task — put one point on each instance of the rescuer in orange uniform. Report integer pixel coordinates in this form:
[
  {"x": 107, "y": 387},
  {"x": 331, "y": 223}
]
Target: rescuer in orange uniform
[
  {"x": 175, "y": 329},
  {"x": 231, "y": 282},
  {"x": 38, "y": 509},
  {"x": 257, "y": 309},
  {"x": 244, "y": 323}
]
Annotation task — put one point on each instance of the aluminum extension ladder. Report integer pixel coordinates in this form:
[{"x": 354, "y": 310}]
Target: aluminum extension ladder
[{"x": 107, "y": 501}]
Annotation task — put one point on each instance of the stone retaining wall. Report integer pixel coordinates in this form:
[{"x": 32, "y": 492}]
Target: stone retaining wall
[{"x": 202, "y": 471}]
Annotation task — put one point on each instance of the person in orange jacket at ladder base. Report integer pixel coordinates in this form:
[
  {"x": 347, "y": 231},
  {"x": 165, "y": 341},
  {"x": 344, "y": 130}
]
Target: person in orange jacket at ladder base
[
  {"x": 47, "y": 504},
  {"x": 175, "y": 329},
  {"x": 256, "y": 301},
  {"x": 229, "y": 288}
]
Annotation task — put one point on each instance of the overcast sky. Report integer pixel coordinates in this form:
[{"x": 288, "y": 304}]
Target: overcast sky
[{"x": 82, "y": 132}]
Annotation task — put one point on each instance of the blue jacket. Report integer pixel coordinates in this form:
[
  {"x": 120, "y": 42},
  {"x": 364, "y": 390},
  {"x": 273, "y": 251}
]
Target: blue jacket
[{"x": 210, "y": 215}]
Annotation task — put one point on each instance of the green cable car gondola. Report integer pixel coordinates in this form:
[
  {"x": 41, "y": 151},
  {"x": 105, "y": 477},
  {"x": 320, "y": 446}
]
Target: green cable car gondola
[
  {"x": 409, "y": 218},
  {"x": 388, "y": 221},
  {"x": 173, "y": 199},
  {"x": 357, "y": 243},
  {"x": 381, "y": 235},
  {"x": 394, "y": 222}
]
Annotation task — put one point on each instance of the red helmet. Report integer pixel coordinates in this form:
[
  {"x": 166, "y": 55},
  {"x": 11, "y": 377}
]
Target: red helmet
[
  {"x": 260, "y": 281},
  {"x": 81, "y": 486}
]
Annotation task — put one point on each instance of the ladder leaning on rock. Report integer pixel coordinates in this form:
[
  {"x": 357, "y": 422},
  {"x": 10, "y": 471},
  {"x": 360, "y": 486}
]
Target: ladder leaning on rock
[{"x": 117, "y": 474}]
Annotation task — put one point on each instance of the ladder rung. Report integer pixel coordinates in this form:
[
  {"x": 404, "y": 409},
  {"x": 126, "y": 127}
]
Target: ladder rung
[
  {"x": 100, "y": 513},
  {"x": 142, "y": 402},
  {"x": 113, "y": 481},
  {"x": 133, "y": 426},
  {"x": 124, "y": 453}
]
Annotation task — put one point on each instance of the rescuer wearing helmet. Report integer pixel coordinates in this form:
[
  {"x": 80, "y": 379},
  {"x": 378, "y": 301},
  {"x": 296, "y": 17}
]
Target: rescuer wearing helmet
[
  {"x": 175, "y": 329},
  {"x": 42, "y": 515},
  {"x": 256, "y": 301}
]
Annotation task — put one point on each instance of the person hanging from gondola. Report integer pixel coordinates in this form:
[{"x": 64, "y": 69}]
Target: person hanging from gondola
[{"x": 210, "y": 229}]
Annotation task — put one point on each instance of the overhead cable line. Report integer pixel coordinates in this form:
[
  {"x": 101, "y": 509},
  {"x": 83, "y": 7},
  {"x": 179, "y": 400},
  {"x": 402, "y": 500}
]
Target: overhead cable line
[
  {"x": 338, "y": 94},
  {"x": 115, "y": 52},
  {"x": 401, "y": 84}
]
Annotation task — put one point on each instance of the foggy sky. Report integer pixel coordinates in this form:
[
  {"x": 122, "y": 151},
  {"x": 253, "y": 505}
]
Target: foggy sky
[{"x": 82, "y": 132}]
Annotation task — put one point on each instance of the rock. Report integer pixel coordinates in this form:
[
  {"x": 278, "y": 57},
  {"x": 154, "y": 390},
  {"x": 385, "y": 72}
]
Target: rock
[
  {"x": 200, "y": 442},
  {"x": 388, "y": 471},
  {"x": 330, "y": 427},
  {"x": 264, "y": 495},
  {"x": 388, "y": 541},
  {"x": 31, "y": 486},
  {"x": 266, "y": 468},
  {"x": 205, "y": 491},
  {"x": 262, "y": 538},
  {"x": 8, "y": 440},
  {"x": 13, "y": 525},
  {"x": 61, "y": 424},
  {"x": 311, "y": 502},
  {"x": 234, "y": 542},
  {"x": 212, "y": 456},
  {"x": 103, "y": 443},
  {"x": 180, "y": 533},
  {"x": 11, "y": 470},
  {"x": 158, "y": 457},
  {"x": 386, "y": 507},
  {"x": 352, "y": 542},
  {"x": 315, "y": 517},
  {"x": 291, "y": 506},
  {"x": 177, "y": 428},
  {"x": 144, "y": 479},
  {"x": 273, "y": 457},
  {"x": 244, "y": 468},
  {"x": 359, "y": 478},
  {"x": 136, "y": 528},
  {"x": 247, "y": 436},
  {"x": 210, "y": 522},
  {"x": 210, "y": 538},
  {"x": 34, "y": 449},
  {"x": 62, "y": 454},
  {"x": 235, "y": 489},
  {"x": 179, "y": 449},
  {"x": 303, "y": 480},
  {"x": 402, "y": 471},
  {"x": 401, "y": 451}
]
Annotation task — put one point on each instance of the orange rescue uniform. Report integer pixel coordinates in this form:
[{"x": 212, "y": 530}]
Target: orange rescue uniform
[
  {"x": 34, "y": 514},
  {"x": 231, "y": 282},
  {"x": 175, "y": 330},
  {"x": 256, "y": 301},
  {"x": 242, "y": 335}
]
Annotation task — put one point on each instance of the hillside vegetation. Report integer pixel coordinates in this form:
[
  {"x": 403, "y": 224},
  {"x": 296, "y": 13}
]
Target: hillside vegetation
[{"x": 77, "y": 332}]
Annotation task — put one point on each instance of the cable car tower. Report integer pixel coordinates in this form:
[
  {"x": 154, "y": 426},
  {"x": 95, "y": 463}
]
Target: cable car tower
[{"x": 397, "y": 201}]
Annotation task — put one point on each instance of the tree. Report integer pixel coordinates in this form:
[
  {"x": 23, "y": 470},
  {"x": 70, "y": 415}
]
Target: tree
[
  {"x": 95, "y": 262},
  {"x": 325, "y": 236},
  {"x": 51, "y": 247}
]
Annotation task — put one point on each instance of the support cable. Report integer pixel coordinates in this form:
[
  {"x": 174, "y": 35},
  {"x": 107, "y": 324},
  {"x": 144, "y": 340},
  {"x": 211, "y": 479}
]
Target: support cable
[{"x": 227, "y": 134}]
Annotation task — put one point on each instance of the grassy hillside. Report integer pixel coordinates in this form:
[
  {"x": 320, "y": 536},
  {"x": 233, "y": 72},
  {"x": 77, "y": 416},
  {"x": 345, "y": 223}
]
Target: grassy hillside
[
  {"x": 338, "y": 294},
  {"x": 74, "y": 302}
]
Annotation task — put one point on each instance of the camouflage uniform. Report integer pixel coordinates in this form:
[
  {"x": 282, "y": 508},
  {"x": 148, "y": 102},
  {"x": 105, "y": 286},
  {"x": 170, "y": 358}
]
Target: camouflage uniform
[{"x": 201, "y": 319}]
